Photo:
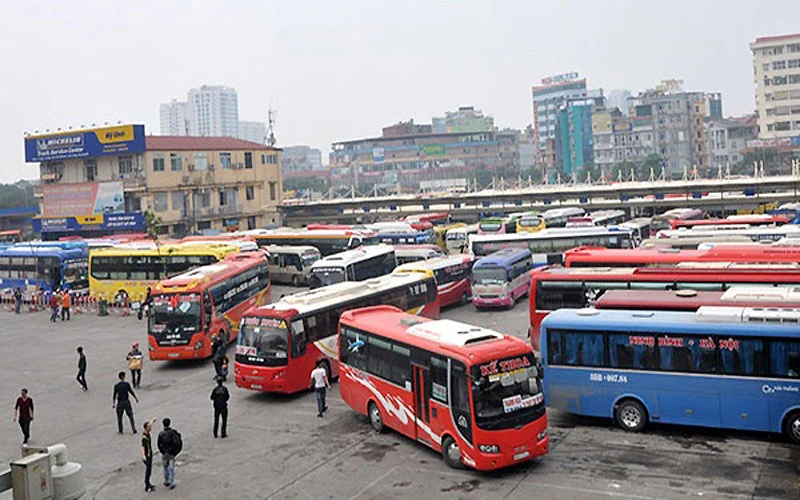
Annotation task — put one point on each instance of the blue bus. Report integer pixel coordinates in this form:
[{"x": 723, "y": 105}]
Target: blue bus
[
  {"x": 725, "y": 367},
  {"x": 44, "y": 267},
  {"x": 501, "y": 278},
  {"x": 406, "y": 238}
]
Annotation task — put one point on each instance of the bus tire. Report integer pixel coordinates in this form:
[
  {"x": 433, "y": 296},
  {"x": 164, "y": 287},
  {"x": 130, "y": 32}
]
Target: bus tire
[
  {"x": 630, "y": 415},
  {"x": 512, "y": 303},
  {"x": 464, "y": 298},
  {"x": 791, "y": 427},
  {"x": 375, "y": 417},
  {"x": 451, "y": 454},
  {"x": 295, "y": 280}
]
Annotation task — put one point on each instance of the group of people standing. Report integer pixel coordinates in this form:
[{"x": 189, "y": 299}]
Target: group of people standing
[{"x": 60, "y": 299}]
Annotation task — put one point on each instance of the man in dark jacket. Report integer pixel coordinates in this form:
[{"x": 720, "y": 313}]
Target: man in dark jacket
[
  {"x": 218, "y": 355},
  {"x": 81, "y": 378},
  {"x": 122, "y": 402},
  {"x": 169, "y": 444},
  {"x": 220, "y": 397}
]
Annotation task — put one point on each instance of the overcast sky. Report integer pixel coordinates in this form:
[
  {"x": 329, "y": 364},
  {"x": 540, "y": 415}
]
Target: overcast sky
[{"x": 342, "y": 70}]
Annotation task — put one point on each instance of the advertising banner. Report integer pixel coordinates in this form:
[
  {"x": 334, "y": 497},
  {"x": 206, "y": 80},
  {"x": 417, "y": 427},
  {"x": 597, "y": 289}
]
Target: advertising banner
[
  {"x": 125, "y": 221},
  {"x": 119, "y": 140},
  {"x": 63, "y": 200},
  {"x": 432, "y": 150}
]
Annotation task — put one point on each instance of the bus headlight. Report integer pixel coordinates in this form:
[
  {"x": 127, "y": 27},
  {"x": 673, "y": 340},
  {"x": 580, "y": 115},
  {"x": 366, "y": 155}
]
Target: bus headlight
[
  {"x": 198, "y": 345},
  {"x": 542, "y": 435},
  {"x": 489, "y": 448}
]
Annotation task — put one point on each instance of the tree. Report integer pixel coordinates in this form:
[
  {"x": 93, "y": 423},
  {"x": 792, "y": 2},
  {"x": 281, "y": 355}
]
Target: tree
[{"x": 17, "y": 195}]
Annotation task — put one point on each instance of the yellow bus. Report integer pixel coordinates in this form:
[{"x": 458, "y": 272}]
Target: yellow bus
[
  {"x": 440, "y": 233},
  {"x": 530, "y": 222},
  {"x": 132, "y": 268}
]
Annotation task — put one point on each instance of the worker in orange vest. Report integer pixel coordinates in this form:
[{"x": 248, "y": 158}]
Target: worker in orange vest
[{"x": 66, "y": 302}]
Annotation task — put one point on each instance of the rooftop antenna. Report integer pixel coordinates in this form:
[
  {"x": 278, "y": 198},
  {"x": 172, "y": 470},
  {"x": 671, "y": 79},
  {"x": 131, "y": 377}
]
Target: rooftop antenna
[{"x": 269, "y": 139}]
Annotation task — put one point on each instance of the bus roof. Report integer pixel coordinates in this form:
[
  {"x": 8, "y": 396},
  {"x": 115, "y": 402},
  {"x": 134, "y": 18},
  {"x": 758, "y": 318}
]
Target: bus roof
[
  {"x": 347, "y": 257},
  {"x": 299, "y": 249},
  {"x": 434, "y": 263},
  {"x": 669, "y": 273},
  {"x": 687, "y": 299},
  {"x": 470, "y": 343},
  {"x": 212, "y": 273},
  {"x": 337, "y": 293},
  {"x": 669, "y": 255},
  {"x": 287, "y": 232},
  {"x": 25, "y": 251},
  {"x": 550, "y": 233},
  {"x": 218, "y": 249},
  {"x": 503, "y": 258},
  {"x": 732, "y": 321},
  {"x": 754, "y": 232}
]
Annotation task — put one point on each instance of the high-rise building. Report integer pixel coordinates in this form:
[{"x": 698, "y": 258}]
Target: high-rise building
[
  {"x": 213, "y": 111},
  {"x": 252, "y": 131},
  {"x": 574, "y": 141},
  {"x": 547, "y": 100},
  {"x": 776, "y": 67},
  {"x": 620, "y": 99},
  {"x": 174, "y": 118}
]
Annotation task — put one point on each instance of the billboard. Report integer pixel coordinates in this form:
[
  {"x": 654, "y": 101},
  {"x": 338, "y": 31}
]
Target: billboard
[
  {"x": 63, "y": 200},
  {"x": 432, "y": 150},
  {"x": 118, "y": 140},
  {"x": 126, "y": 221}
]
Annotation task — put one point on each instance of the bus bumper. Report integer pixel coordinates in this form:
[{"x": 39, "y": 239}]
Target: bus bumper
[
  {"x": 259, "y": 379},
  {"x": 491, "y": 302},
  {"x": 197, "y": 348},
  {"x": 513, "y": 453}
]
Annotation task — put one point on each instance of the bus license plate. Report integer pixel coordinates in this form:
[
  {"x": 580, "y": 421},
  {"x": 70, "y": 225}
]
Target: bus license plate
[
  {"x": 173, "y": 355},
  {"x": 255, "y": 386},
  {"x": 520, "y": 456}
]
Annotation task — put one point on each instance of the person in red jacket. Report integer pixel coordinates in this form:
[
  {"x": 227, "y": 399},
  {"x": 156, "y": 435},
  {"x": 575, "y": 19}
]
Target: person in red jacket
[{"x": 54, "y": 300}]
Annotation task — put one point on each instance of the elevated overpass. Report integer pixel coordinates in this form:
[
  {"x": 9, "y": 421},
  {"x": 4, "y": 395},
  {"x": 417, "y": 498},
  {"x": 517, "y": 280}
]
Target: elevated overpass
[{"x": 634, "y": 197}]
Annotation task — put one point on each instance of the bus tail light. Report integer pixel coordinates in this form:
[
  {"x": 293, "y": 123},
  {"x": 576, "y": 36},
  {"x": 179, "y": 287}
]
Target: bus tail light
[{"x": 489, "y": 448}]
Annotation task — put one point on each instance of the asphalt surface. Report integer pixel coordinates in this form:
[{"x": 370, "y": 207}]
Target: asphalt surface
[{"x": 278, "y": 448}]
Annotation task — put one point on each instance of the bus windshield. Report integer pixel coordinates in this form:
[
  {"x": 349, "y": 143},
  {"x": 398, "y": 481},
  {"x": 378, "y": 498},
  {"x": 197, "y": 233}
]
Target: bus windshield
[
  {"x": 324, "y": 276},
  {"x": 487, "y": 275},
  {"x": 175, "y": 313},
  {"x": 507, "y": 393},
  {"x": 529, "y": 221},
  {"x": 263, "y": 341}
]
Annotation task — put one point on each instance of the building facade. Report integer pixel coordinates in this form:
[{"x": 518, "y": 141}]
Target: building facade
[
  {"x": 620, "y": 99},
  {"x": 727, "y": 140},
  {"x": 547, "y": 101},
  {"x": 466, "y": 119},
  {"x": 214, "y": 111},
  {"x": 174, "y": 118},
  {"x": 776, "y": 70},
  {"x": 301, "y": 161},
  {"x": 252, "y": 131},
  {"x": 574, "y": 140}
]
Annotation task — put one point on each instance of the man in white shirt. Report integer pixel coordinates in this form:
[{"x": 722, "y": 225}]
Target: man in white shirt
[{"x": 319, "y": 381}]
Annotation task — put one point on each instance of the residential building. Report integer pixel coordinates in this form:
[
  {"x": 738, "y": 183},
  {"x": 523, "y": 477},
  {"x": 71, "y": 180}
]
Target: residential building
[
  {"x": 527, "y": 151},
  {"x": 776, "y": 68},
  {"x": 466, "y": 119},
  {"x": 620, "y": 99},
  {"x": 193, "y": 184},
  {"x": 213, "y": 111},
  {"x": 252, "y": 131},
  {"x": 299, "y": 162},
  {"x": 633, "y": 139},
  {"x": 574, "y": 141},
  {"x": 727, "y": 140},
  {"x": 714, "y": 104},
  {"x": 547, "y": 101},
  {"x": 603, "y": 138},
  {"x": 174, "y": 118}
]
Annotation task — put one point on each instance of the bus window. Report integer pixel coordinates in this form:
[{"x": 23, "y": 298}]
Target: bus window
[
  {"x": 298, "y": 338},
  {"x": 747, "y": 358},
  {"x": 632, "y": 351},
  {"x": 583, "y": 349},
  {"x": 785, "y": 358},
  {"x": 459, "y": 393}
]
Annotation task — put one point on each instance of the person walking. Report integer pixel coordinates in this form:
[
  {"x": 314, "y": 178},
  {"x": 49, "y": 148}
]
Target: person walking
[
  {"x": 53, "y": 306},
  {"x": 144, "y": 308},
  {"x": 147, "y": 454},
  {"x": 218, "y": 355},
  {"x": 81, "y": 378},
  {"x": 23, "y": 413},
  {"x": 121, "y": 401},
  {"x": 17, "y": 300},
  {"x": 66, "y": 303},
  {"x": 135, "y": 365},
  {"x": 319, "y": 380},
  {"x": 220, "y": 397},
  {"x": 170, "y": 445}
]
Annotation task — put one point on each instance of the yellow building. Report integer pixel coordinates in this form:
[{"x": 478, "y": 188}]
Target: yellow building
[{"x": 192, "y": 183}]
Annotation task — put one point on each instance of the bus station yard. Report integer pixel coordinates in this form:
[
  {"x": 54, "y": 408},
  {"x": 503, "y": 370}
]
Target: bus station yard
[{"x": 278, "y": 448}]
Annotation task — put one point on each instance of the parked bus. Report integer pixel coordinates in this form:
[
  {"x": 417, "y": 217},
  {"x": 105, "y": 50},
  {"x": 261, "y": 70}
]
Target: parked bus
[
  {"x": 723, "y": 367},
  {"x": 352, "y": 265},
  {"x": 413, "y": 253},
  {"x": 469, "y": 393},
  {"x": 548, "y": 246},
  {"x": 696, "y": 242},
  {"x": 412, "y": 237},
  {"x": 452, "y": 273},
  {"x": 530, "y": 222},
  {"x": 640, "y": 257},
  {"x": 11, "y": 236},
  {"x": 557, "y": 217},
  {"x": 435, "y": 218},
  {"x": 501, "y": 278},
  {"x": 327, "y": 241},
  {"x": 497, "y": 225},
  {"x": 290, "y": 265},
  {"x": 747, "y": 220},
  {"x": 279, "y": 344},
  {"x": 640, "y": 228},
  {"x": 664, "y": 221},
  {"x": 129, "y": 269},
  {"x": 759, "y": 233},
  {"x": 191, "y": 308},
  {"x": 575, "y": 288},
  {"x": 46, "y": 268},
  {"x": 457, "y": 238},
  {"x": 607, "y": 217},
  {"x": 692, "y": 300},
  {"x": 440, "y": 233}
]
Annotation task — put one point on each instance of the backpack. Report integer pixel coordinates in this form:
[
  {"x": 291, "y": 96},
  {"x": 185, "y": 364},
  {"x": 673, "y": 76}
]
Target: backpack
[{"x": 177, "y": 443}]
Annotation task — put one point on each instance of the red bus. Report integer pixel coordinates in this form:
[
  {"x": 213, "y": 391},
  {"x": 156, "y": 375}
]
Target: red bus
[
  {"x": 280, "y": 344},
  {"x": 435, "y": 218},
  {"x": 654, "y": 256},
  {"x": 11, "y": 236},
  {"x": 453, "y": 276},
  {"x": 771, "y": 297},
  {"x": 749, "y": 220},
  {"x": 472, "y": 394},
  {"x": 664, "y": 221},
  {"x": 188, "y": 309},
  {"x": 575, "y": 288}
]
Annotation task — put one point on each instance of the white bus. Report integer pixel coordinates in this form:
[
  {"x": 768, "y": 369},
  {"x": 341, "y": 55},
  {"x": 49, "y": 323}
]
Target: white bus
[
  {"x": 413, "y": 253},
  {"x": 557, "y": 217},
  {"x": 640, "y": 227},
  {"x": 456, "y": 238},
  {"x": 352, "y": 265},
  {"x": 291, "y": 264},
  {"x": 754, "y": 233},
  {"x": 548, "y": 245}
]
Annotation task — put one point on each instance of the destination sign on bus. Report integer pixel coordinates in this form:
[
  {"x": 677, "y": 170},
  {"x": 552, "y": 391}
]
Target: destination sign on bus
[{"x": 504, "y": 367}]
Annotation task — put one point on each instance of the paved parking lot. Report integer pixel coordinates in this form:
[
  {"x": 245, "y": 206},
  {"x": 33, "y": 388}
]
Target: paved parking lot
[{"x": 278, "y": 448}]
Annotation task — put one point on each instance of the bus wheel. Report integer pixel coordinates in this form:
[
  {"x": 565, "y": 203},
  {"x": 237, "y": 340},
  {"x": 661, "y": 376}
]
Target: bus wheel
[
  {"x": 375, "y": 419},
  {"x": 631, "y": 415},
  {"x": 792, "y": 427},
  {"x": 295, "y": 280},
  {"x": 451, "y": 454},
  {"x": 464, "y": 298},
  {"x": 512, "y": 303}
]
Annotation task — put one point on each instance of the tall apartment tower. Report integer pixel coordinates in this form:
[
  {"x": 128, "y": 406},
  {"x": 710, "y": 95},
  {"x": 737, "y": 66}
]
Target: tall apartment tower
[
  {"x": 547, "y": 100},
  {"x": 776, "y": 68},
  {"x": 174, "y": 118},
  {"x": 213, "y": 111}
]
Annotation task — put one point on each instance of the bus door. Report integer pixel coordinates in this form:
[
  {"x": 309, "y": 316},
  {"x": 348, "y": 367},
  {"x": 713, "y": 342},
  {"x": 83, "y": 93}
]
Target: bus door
[{"x": 422, "y": 396}]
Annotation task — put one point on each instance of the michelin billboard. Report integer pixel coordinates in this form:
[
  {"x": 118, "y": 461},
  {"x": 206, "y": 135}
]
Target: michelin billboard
[{"x": 118, "y": 140}]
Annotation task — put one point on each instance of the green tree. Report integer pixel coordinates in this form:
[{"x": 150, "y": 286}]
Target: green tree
[{"x": 17, "y": 195}]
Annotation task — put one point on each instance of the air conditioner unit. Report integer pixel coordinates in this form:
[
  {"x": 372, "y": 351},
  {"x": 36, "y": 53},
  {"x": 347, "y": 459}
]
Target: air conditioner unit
[
  {"x": 211, "y": 167},
  {"x": 191, "y": 168}
]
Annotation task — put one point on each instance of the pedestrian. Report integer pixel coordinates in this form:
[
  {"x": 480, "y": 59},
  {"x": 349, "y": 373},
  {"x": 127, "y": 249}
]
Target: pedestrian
[
  {"x": 319, "y": 381},
  {"x": 81, "y": 378},
  {"x": 147, "y": 454},
  {"x": 135, "y": 365},
  {"x": 220, "y": 397},
  {"x": 23, "y": 413},
  {"x": 217, "y": 354},
  {"x": 146, "y": 304},
  {"x": 54, "y": 306},
  {"x": 17, "y": 300},
  {"x": 122, "y": 402},
  {"x": 170, "y": 445},
  {"x": 66, "y": 303}
]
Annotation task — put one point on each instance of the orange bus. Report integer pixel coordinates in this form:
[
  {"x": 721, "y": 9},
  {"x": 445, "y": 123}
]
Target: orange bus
[{"x": 188, "y": 309}]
